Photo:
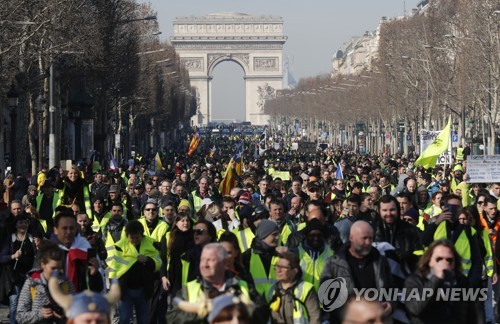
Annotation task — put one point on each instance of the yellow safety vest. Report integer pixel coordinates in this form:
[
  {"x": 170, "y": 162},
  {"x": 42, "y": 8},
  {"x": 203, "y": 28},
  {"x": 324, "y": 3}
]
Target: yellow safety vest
[
  {"x": 245, "y": 238},
  {"x": 312, "y": 268},
  {"x": 196, "y": 201},
  {"x": 86, "y": 200},
  {"x": 159, "y": 231},
  {"x": 194, "y": 290},
  {"x": 99, "y": 226},
  {"x": 489, "y": 263},
  {"x": 301, "y": 291},
  {"x": 126, "y": 256},
  {"x": 460, "y": 154},
  {"x": 261, "y": 280},
  {"x": 43, "y": 222},
  {"x": 39, "y": 198},
  {"x": 285, "y": 233},
  {"x": 462, "y": 246},
  {"x": 110, "y": 244}
]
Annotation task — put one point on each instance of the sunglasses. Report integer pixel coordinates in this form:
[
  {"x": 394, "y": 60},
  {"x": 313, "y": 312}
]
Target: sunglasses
[
  {"x": 480, "y": 202},
  {"x": 150, "y": 209},
  {"x": 199, "y": 231},
  {"x": 449, "y": 260}
]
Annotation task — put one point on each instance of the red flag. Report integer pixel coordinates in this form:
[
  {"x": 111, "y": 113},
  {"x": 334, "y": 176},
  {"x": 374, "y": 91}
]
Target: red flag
[
  {"x": 195, "y": 141},
  {"x": 235, "y": 166}
]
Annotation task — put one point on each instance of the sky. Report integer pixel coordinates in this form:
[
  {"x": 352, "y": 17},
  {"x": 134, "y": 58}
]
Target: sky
[{"x": 316, "y": 29}]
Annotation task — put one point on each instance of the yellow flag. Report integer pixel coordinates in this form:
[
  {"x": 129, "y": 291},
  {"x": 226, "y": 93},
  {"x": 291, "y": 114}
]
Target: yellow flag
[
  {"x": 158, "y": 165},
  {"x": 429, "y": 156}
]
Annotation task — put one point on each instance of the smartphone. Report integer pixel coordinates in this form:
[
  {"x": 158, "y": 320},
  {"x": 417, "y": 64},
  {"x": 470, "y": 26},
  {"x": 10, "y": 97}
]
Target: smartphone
[
  {"x": 453, "y": 209},
  {"x": 91, "y": 253}
]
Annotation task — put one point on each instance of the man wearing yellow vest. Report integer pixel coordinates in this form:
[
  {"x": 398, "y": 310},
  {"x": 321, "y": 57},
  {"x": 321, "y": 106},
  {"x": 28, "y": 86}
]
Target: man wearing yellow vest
[
  {"x": 313, "y": 252},
  {"x": 46, "y": 203},
  {"x": 156, "y": 229},
  {"x": 260, "y": 260},
  {"x": 465, "y": 239},
  {"x": 113, "y": 230},
  {"x": 134, "y": 265},
  {"x": 277, "y": 215},
  {"x": 214, "y": 280}
]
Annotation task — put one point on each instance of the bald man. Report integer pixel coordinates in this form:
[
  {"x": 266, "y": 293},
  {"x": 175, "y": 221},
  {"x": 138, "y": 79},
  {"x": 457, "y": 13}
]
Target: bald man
[
  {"x": 359, "y": 264},
  {"x": 363, "y": 311}
]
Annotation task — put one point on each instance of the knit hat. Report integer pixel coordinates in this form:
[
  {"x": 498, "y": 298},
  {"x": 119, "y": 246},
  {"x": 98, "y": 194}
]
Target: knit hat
[
  {"x": 413, "y": 213},
  {"x": 458, "y": 167},
  {"x": 266, "y": 228},
  {"x": 184, "y": 203},
  {"x": 314, "y": 224},
  {"x": 245, "y": 198},
  {"x": 113, "y": 188}
]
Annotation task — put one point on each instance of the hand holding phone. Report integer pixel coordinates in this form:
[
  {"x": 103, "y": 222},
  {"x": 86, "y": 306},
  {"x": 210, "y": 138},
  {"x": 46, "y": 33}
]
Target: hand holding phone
[{"x": 91, "y": 254}]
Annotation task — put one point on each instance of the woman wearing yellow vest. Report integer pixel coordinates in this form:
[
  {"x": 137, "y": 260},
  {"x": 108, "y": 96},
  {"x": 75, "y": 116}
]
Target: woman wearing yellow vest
[
  {"x": 204, "y": 232},
  {"x": 73, "y": 189},
  {"x": 292, "y": 300},
  {"x": 174, "y": 244}
]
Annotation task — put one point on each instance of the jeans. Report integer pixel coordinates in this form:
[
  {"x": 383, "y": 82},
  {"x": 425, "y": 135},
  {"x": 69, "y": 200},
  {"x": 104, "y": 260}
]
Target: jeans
[
  {"x": 13, "y": 298},
  {"x": 488, "y": 303},
  {"x": 134, "y": 298}
]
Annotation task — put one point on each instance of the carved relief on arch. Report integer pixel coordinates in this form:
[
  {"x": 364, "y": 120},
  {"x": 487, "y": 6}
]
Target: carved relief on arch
[
  {"x": 243, "y": 59},
  {"x": 193, "y": 63},
  {"x": 266, "y": 63}
]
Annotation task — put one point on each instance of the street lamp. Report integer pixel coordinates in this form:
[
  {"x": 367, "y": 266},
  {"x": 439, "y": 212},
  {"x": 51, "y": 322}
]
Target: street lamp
[
  {"x": 40, "y": 107},
  {"x": 126, "y": 21},
  {"x": 13, "y": 96}
]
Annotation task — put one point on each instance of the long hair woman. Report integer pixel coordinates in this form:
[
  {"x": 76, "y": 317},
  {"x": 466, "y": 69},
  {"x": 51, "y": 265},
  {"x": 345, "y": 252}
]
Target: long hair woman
[
  {"x": 174, "y": 244},
  {"x": 73, "y": 189}
]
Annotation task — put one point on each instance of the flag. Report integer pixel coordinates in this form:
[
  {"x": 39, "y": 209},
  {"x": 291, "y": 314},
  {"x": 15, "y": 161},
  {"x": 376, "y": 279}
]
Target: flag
[
  {"x": 234, "y": 170},
  {"x": 112, "y": 163},
  {"x": 195, "y": 141},
  {"x": 339, "y": 174},
  {"x": 262, "y": 143},
  {"x": 76, "y": 255},
  {"x": 429, "y": 156},
  {"x": 158, "y": 165},
  {"x": 212, "y": 151}
]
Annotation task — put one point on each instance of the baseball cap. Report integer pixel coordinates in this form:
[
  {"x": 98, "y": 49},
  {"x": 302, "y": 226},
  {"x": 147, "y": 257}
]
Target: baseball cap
[{"x": 314, "y": 184}]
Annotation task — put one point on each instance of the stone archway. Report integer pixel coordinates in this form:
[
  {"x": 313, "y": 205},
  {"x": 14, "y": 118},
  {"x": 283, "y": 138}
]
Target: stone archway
[{"x": 253, "y": 42}]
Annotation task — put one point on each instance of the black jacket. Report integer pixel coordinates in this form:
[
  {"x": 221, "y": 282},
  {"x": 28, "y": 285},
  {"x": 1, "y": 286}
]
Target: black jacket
[
  {"x": 430, "y": 310},
  {"x": 338, "y": 266},
  {"x": 405, "y": 237}
]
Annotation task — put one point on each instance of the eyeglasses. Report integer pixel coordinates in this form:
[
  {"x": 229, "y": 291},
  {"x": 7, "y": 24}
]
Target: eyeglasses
[
  {"x": 480, "y": 202},
  {"x": 449, "y": 260},
  {"x": 150, "y": 209},
  {"x": 281, "y": 267},
  {"x": 199, "y": 231}
]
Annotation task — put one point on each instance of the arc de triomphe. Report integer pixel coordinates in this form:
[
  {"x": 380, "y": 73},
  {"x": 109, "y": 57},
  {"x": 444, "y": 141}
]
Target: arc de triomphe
[{"x": 253, "y": 42}]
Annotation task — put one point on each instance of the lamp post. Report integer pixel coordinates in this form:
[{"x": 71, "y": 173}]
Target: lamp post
[
  {"x": 40, "y": 107},
  {"x": 13, "y": 96}
]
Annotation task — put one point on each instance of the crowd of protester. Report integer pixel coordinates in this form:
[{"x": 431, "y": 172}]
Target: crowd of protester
[{"x": 183, "y": 250}]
